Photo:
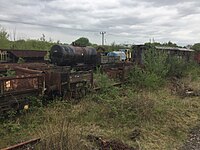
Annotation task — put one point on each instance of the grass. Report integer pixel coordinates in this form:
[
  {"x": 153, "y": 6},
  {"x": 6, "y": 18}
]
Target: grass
[{"x": 162, "y": 118}]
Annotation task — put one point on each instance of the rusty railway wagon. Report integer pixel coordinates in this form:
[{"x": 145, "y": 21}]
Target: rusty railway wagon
[
  {"x": 15, "y": 90},
  {"x": 56, "y": 79},
  {"x": 48, "y": 82},
  {"x": 119, "y": 71}
]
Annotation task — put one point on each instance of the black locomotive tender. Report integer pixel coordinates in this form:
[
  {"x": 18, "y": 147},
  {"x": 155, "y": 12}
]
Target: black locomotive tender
[
  {"x": 69, "y": 75},
  {"x": 67, "y": 55}
]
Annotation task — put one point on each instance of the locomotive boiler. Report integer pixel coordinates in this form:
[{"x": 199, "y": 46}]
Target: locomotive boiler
[{"x": 68, "y": 55}]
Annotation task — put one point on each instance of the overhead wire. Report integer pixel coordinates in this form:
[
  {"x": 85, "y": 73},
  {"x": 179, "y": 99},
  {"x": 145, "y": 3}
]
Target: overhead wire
[{"x": 69, "y": 28}]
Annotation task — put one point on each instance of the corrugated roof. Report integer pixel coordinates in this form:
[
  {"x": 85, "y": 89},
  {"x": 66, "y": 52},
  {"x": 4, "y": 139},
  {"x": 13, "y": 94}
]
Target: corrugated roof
[{"x": 174, "y": 48}]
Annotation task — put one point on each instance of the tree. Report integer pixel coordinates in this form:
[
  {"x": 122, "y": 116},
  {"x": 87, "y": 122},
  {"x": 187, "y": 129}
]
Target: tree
[
  {"x": 3, "y": 33},
  {"x": 196, "y": 47},
  {"x": 4, "y": 42},
  {"x": 82, "y": 42},
  {"x": 170, "y": 44}
]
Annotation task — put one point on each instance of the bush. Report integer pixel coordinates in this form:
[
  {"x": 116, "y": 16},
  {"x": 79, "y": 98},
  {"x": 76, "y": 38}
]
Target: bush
[
  {"x": 155, "y": 61},
  {"x": 102, "y": 81},
  {"x": 155, "y": 71},
  {"x": 179, "y": 67},
  {"x": 145, "y": 79},
  {"x": 158, "y": 66}
]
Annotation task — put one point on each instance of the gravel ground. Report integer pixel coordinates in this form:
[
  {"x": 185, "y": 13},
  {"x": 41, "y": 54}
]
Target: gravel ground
[{"x": 193, "y": 141}]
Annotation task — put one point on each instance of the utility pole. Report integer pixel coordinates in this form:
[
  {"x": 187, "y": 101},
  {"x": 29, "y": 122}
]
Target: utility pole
[{"x": 102, "y": 34}]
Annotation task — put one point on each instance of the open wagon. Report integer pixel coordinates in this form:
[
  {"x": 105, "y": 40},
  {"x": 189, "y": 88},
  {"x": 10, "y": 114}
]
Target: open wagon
[{"x": 16, "y": 90}]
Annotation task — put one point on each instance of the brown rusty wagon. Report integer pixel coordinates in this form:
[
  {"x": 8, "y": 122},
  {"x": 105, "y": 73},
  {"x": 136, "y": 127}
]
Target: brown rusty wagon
[{"x": 47, "y": 81}]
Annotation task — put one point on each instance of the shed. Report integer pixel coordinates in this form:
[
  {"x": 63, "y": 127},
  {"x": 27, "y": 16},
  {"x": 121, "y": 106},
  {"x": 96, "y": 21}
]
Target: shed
[{"x": 183, "y": 53}]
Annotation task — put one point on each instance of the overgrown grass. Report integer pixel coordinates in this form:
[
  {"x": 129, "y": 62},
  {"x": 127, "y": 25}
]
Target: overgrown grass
[{"x": 162, "y": 119}]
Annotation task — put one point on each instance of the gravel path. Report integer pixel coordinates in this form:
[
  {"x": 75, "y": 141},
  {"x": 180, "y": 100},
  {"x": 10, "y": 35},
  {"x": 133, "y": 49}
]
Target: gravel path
[{"x": 193, "y": 141}]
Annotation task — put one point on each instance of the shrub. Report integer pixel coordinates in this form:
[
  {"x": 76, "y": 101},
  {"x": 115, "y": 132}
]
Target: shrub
[
  {"x": 156, "y": 69},
  {"x": 177, "y": 67},
  {"x": 145, "y": 79},
  {"x": 102, "y": 81},
  {"x": 155, "y": 62},
  {"x": 180, "y": 67}
]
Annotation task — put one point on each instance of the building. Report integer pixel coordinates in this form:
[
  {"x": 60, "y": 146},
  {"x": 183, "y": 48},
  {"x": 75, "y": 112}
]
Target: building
[{"x": 181, "y": 53}]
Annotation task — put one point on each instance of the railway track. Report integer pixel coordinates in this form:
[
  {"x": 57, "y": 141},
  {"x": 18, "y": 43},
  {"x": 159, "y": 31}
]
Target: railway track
[{"x": 27, "y": 145}]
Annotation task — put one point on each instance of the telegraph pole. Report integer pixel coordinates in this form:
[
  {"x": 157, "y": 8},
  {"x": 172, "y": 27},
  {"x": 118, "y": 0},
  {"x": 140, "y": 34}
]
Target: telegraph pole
[{"x": 102, "y": 34}]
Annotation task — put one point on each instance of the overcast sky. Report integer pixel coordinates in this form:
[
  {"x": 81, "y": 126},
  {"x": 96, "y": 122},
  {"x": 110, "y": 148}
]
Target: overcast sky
[{"x": 125, "y": 21}]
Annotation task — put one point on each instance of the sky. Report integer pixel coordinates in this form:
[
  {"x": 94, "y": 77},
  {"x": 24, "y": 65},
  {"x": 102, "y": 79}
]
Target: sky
[{"x": 124, "y": 21}]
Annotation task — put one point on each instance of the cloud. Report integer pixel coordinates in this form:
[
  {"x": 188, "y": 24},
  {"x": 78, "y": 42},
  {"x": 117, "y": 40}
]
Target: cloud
[{"x": 130, "y": 20}]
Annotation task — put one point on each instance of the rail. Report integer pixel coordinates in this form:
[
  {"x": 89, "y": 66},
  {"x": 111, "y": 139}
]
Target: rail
[{"x": 24, "y": 145}]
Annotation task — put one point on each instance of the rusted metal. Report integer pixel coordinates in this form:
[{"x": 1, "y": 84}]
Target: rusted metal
[
  {"x": 34, "y": 79},
  {"x": 14, "y": 90},
  {"x": 11, "y": 55},
  {"x": 80, "y": 82},
  {"x": 80, "y": 76},
  {"x": 26, "y": 70},
  {"x": 26, "y": 52},
  {"x": 118, "y": 71},
  {"x": 19, "y": 83},
  {"x": 62, "y": 82},
  {"x": 24, "y": 145},
  {"x": 47, "y": 81},
  {"x": 103, "y": 59},
  {"x": 35, "y": 66}
]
